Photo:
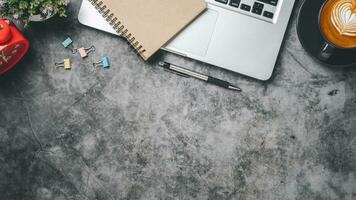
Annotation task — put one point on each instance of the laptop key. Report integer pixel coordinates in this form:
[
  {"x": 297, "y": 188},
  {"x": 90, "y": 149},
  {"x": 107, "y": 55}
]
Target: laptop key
[
  {"x": 257, "y": 11},
  {"x": 268, "y": 14},
  {"x": 245, "y": 7},
  {"x": 258, "y": 5},
  {"x": 235, "y": 3},
  {"x": 272, "y": 2},
  {"x": 222, "y": 1}
]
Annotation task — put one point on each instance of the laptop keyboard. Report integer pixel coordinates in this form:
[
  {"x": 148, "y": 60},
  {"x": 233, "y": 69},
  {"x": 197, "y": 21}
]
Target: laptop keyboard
[{"x": 260, "y": 9}]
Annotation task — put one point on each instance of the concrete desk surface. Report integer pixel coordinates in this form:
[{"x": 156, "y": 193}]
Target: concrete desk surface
[{"x": 136, "y": 132}]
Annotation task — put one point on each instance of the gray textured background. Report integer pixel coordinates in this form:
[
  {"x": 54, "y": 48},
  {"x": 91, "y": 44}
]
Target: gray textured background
[{"x": 137, "y": 132}]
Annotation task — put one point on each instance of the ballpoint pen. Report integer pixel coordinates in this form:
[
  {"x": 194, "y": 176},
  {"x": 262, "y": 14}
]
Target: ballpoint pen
[{"x": 189, "y": 73}]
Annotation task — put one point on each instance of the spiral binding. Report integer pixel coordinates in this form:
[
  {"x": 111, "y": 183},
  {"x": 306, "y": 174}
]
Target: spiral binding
[{"x": 117, "y": 25}]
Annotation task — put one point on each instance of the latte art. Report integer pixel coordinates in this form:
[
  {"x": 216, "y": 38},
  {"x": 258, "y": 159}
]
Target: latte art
[
  {"x": 337, "y": 20},
  {"x": 343, "y": 18}
]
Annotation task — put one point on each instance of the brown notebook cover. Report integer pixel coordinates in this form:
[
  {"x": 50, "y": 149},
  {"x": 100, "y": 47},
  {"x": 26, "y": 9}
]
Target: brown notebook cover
[{"x": 149, "y": 24}]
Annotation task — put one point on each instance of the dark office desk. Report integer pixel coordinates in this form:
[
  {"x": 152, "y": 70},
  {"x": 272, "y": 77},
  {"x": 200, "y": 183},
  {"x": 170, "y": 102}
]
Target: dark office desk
[{"x": 136, "y": 132}]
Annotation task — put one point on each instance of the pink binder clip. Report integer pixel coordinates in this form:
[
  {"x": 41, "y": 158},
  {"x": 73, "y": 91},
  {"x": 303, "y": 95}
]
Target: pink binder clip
[{"x": 83, "y": 52}]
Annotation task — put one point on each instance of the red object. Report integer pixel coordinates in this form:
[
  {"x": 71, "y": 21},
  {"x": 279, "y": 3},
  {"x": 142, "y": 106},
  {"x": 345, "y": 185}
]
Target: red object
[{"x": 13, "y": 45}]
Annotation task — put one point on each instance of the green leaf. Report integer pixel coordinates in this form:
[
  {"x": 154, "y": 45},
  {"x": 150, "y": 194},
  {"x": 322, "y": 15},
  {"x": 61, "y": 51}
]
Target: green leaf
[{"x": 22, "y": 9}]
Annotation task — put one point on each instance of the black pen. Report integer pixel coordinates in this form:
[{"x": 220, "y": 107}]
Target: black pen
[{"x": 188, "y": 73}]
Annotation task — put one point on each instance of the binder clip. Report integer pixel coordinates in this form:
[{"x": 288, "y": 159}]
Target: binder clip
[
  {"x": 105, "y": 63},
  {"x": 65, "y": 64},
  {"x": 83, "y": 52},
  {"x": 68, "y": 43}
]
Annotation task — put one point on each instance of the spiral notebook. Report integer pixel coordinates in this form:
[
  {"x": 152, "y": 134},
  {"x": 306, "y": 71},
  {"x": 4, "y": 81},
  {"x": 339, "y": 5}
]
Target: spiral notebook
[{"x": 149, "y": 24}]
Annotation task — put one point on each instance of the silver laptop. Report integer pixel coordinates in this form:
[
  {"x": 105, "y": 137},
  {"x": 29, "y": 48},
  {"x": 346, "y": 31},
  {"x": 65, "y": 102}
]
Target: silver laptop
[{"x": 242, "y": 36}]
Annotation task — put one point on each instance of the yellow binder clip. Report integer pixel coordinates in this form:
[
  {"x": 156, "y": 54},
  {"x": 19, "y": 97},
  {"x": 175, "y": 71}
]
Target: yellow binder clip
[{"x": 65, "y": 64}]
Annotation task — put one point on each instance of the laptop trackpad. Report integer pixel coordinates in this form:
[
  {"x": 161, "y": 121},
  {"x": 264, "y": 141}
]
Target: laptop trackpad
[{"x": 195, "y": 39}]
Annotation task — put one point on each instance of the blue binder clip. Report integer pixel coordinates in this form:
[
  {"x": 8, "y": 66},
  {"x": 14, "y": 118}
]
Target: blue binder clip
[
  {"x": 68, "y": 43},
  {"x": 105, "y": 63}
]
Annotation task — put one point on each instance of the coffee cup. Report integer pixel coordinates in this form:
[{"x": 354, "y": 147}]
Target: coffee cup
[{"x": 337, "y": 24}]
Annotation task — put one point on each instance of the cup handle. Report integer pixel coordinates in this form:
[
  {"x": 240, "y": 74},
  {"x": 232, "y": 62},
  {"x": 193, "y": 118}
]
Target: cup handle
[{"x": 326, "y": 52}]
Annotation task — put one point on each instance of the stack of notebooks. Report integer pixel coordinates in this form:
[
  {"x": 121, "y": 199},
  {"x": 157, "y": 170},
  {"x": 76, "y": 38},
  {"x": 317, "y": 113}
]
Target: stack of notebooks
[{"x": 149, "y": 24}]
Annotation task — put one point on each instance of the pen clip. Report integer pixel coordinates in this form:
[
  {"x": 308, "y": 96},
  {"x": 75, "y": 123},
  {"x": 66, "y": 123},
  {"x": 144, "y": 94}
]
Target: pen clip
[{"x": 177, "y": 73}]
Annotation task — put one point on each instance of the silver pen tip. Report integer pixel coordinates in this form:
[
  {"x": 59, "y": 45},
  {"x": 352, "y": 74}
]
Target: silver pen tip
[
  {"x": 161, "y": 63},
  {"x": 231, "y": 87}
]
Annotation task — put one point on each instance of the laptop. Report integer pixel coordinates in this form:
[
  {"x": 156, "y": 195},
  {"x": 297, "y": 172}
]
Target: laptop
[{"x": 242, "y": 36}]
